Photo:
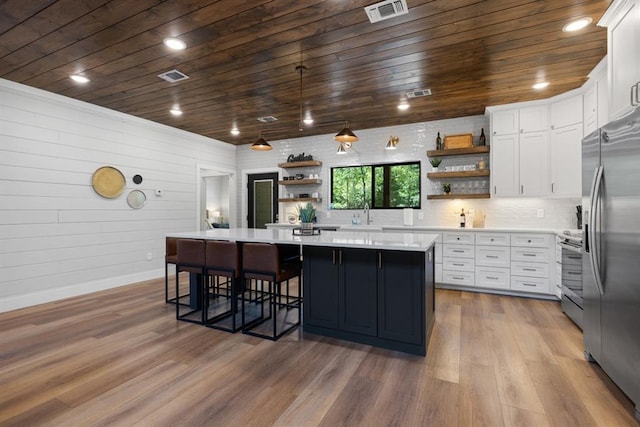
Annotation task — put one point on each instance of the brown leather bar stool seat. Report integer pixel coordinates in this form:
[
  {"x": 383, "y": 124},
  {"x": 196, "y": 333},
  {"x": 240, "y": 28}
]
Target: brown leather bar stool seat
[
  {"x": 222, "y": 259},
  {"x": 266, "y": 313},
  {"x": 191, "y": 259},
  {"x": 170, "y": 257}
]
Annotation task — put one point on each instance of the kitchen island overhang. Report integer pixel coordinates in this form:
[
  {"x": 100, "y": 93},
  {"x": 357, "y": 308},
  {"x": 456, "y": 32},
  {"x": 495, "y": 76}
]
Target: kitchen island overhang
[{"x": 371, "y": 288}]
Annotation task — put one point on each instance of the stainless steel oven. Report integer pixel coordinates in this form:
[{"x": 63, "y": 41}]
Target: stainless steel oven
[{"x": 571, "y": 246}]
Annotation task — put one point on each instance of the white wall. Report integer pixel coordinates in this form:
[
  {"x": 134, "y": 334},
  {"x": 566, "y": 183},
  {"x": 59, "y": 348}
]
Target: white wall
[
  {"x": 58, "y": 238},
  {"x": 415, "y": 140}
]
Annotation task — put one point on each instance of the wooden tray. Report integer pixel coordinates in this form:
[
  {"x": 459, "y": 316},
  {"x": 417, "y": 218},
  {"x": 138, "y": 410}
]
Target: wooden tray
[{"x": 463, "y": 140}]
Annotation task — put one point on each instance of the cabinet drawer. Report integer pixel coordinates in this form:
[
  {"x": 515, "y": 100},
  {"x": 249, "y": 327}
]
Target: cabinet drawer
[
  {"x": 496, "y": 278},
  {"x": 458, "y": 251},
  {"x": 493, "y": 256},
  {"x": 530, "y": 254},
  {"x": 530, "y": 284},
  {"x": 458, "y": 277},
  {"x": 454, "y": 237},
  {"x": 458, "y": 264},
  {"x": 529, "y": 269},
  {"x": 493, "y": 239},
  {"x": 571, "y": 258},
  {"x": 531, "y": 240}
]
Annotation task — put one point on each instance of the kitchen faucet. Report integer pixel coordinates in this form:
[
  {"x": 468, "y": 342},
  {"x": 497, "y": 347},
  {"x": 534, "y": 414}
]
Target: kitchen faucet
[{"x": 367, "y": 213}]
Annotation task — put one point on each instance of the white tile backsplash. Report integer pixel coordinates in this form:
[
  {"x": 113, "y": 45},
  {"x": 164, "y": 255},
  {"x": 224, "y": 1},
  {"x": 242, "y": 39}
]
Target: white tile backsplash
[{"x": 415, "y": 140}]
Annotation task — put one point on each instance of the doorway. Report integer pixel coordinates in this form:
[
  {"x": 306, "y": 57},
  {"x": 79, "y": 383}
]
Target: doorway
[{"x": 262, "y": 203}]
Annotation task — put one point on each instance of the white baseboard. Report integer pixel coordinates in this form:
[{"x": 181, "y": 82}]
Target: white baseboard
[{"x": 49, "y": 295}]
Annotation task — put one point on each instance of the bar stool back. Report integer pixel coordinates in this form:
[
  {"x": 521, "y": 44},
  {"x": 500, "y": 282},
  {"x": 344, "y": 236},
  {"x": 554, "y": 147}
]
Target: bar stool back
[
  {"x": 170, "y": 257},
  {"x": 262, "y": 263},
  {"x": 221, "y": 303},
  {"x": 191, "y": 259}
]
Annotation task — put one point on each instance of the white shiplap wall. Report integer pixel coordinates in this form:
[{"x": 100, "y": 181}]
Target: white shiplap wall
[
  {"x": 415, "y": 140},
  {"x": 58, "y": 238}
]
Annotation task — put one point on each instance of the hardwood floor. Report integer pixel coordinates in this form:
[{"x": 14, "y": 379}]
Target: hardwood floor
[{"x": 119, "y": 357}]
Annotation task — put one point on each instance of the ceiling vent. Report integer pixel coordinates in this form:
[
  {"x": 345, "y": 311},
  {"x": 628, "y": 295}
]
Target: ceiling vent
[
  {"x": 173, "y": 76},
  {"x": 267, "y": 119},
  {"x": 386, "y": 9},
  {"x": 418, "y": 93}
]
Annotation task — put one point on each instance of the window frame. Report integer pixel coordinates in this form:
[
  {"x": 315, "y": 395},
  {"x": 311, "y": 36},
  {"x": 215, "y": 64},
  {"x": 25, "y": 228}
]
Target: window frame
[{"x": 386, "y": 183}]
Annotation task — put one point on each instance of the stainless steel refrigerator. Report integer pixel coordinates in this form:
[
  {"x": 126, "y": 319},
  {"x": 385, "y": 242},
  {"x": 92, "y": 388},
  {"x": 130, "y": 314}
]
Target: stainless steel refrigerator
[{"x": 611, "y": 246}]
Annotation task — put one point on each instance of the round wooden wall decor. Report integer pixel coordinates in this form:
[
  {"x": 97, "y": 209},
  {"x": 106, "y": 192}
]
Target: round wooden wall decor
[
  {"x": 136, "y": 199},
  {"x": 137, "y": 179},
  {"x": 108, "y": 182}
]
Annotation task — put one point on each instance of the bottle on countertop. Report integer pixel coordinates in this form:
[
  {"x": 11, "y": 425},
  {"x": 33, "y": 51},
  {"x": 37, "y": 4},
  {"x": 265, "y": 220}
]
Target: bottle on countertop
[
  {"x": 439, "y": 142},
  {"x": 483, "y": 139},
  {"x": 353, "y": 219},
  {"x": 358, "y": 219},
  {"x": 463, "y": 219}
]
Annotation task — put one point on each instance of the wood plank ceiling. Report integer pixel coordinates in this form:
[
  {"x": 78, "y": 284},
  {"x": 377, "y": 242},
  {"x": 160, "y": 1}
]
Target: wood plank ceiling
[{"x": 241, "y": 57}]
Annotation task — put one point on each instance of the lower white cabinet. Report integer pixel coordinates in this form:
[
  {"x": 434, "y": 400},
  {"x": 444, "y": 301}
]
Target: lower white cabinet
[
  {"x": 461, "y": 278},
  {"x": 493, "y": 278},
  {"x": 539, "y": 285}
]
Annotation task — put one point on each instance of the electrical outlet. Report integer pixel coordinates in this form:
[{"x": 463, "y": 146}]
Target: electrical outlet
[
  {"x": 420, "y": 216},
  {"x": 540, "y": 213},
  {"x": 149, "y": 256},
  {"x": 328, "y": 214}
]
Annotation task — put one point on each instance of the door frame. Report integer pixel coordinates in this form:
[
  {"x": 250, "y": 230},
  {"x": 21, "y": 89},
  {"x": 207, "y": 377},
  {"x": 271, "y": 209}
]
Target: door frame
[
  {"x": 244, "y": 191},
  {"x": 204, "y": 170},
  {"x": 263, "y": 177}
]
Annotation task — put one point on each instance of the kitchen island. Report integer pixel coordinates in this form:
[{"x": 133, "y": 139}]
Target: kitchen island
[{"x": 371, "y": 288}]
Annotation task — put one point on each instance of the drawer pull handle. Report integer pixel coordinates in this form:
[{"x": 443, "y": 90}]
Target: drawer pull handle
[
  {"x": 530, "y": 284},
  {"x": 458, "y": 251},
  {"x": 492, "y": 239},
  {"x": 534, "y": 255},
  {"x": 492, "y": 256},
  {"x": 458, "y": 265},
  {"x": 575, "y": 273},
  {"x": 530, "y": 269},
  {"x": 457, "y": 277},
  {"x": 492, "y": 278},
  {"x": 529, "y": 241}
]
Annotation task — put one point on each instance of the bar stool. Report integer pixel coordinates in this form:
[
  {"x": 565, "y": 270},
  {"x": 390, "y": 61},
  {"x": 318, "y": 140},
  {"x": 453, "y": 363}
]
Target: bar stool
[
  {"x": 222, "y": 259},
  {"x": 191, "y": 259},
  {"x": 262, "y": 262},
  {"x": 170, "y": 257}
]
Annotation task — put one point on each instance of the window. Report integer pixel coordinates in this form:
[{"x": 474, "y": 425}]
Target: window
[{"x": 387, "y": 186}]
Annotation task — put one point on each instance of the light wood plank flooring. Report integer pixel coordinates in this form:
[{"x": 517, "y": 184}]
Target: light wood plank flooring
[{"x": 119, "y": 357}]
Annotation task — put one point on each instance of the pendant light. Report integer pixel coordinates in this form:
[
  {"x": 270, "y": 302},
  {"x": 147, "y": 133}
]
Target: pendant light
[
  {"x": 261, "y": 144},
  {"x": 346, "y": 135},
  {"x": 308, "y": 120}
]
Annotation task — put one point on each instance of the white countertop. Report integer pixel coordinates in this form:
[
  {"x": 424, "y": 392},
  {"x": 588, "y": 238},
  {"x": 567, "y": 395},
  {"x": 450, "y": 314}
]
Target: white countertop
[
  {"x": 422, "y": 228},
  {"x": 352, "y": 239}
]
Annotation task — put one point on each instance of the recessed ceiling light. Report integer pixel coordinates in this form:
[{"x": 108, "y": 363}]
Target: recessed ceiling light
[
  {"x": 235, "y": 131},
  {"x": 176, "y": 111},
  {"x": 174, "y": 43},
  {"x": 540, "y": 85},
  {"x": 403, "y": 106},
  {"x": 577, "y": 24},
  {"x": 79, "y": 79},
  {"x": 308, "y": 121}
]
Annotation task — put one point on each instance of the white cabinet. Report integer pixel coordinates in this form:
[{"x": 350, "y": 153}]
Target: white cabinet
[
  {"x": 565, "y": 155},
  {"x": 505, "y": 179},
  {"x": 531, "y": 262},
  {"x": 590, "y": 122},
  {"x": 505, "y": 122},
  {"x": 519, "y": 120},
  {"x": 533, "y": 163},
  {"x": 566, "y": 112},
  {"x": 533, "y": 119},
  {"x": 622, "y": 20}
]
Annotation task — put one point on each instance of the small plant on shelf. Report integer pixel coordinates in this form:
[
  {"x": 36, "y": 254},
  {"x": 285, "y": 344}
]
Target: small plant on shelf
[
  {"x": 306, "y": 213},
  {"x": 446, "y": 187},
  {"x": 435, "y": 162}
]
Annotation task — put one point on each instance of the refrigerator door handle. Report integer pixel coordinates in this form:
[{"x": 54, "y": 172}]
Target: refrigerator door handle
[{"x": 593, "y": 217}]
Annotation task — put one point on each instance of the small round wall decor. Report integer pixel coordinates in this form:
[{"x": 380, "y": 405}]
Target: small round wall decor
[
  {"x": 136, "y": 199},
  {"x": 137, "y": 179},
  {"x": 108, "y": 182}
]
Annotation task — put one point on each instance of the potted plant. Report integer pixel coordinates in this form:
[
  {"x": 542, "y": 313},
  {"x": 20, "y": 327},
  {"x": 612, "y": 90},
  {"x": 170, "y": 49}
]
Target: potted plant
[
  {"x": 307, "y": 214},
  {"x": 435, "y": 162},
  {"x": 446, "y": 187}
]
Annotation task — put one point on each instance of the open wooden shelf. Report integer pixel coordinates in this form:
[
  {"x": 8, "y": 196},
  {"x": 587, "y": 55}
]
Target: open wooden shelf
[
  {"x": 301, "y": 182},
  {"x": 458, "y": 174},
  {"x": 307, "y": 163},
  {"x": 458, "y": 151},
  {"x": 452, "y": 196},
  {"x": 301, "y": 199}
]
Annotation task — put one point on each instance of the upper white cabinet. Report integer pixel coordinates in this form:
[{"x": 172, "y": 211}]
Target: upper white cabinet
[
  {"x": 505, "y": 178},
  {"x": 591, "y": 109},
  {"x": 519, "y": 120},
  {"x": 622, "y": 20},
  {"x": 566, "y": 112},
  {"x": 534, "y": 166},
  {"x": 565, "y": 155}
]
